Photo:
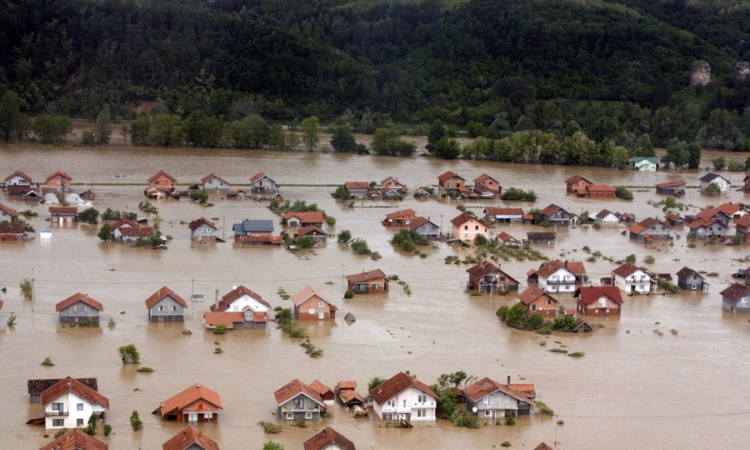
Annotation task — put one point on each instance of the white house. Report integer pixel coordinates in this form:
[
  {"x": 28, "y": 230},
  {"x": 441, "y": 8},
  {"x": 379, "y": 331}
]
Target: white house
[
  {"x": 118, "y": 226},
  {"x": 720, "y": 181},
  {"x": 629, "y": 278},
  {"x": 403, "y": 398},
  {"x": 646, "y": 163},
  {"x": 607, "y": 218},
  {"x": 18, "y": 178},
  {"x": 489, "y": 399},
  {"x": 213, "y": 182},
  {"x": 242, "y": 299},
  {"x": 558, "y": 276},
  {"x": 70, "y": 403}
]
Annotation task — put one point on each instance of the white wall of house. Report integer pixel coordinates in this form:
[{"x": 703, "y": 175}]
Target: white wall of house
[
  {"x": 637, "y": 281},
  {"x": 562, "y": 280},
  {"x": 495, "y": 405},
  {"x": 18, "y": 180},
  {"x": 75, "y": 412},
  {"x": 609, "y": 220},
  {"x": 215, "y": 184},
  {"x": 722, "y": 183},
  {"x": 412, "y": 401},
  {"x": 241, "y": 303}
]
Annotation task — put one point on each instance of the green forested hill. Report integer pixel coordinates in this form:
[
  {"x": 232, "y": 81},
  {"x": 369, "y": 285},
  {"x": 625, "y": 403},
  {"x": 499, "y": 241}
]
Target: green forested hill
[{"x": 411, "y": 59}]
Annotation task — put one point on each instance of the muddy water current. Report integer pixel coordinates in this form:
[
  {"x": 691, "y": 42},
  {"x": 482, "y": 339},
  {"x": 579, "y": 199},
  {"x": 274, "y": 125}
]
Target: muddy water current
[{"x": 669, "y": 373}]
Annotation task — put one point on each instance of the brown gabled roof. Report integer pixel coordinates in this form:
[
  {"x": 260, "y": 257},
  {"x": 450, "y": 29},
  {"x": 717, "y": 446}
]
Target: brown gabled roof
[
  {"x": 483, "y": 177},
  {"x": 311, "y": 229},
  {"x": 603, "y": 213},
  {"x": 212, "y": 175},
  {"x": 418, "y": 222},
  {"x": 19, "y": 173},
  {"x": 505, "y": 237},
  {"x": 76, "y": 439},
  {"x": 448, "y": 175},
  {"x": 636, "y": 229},
  {"x": 161, "y": 172},
  {"x": 398, "y": 383},
  {"x": 389, "y": 179},
  {"x": 366, "y": 276},
  {"x": 590, "y": 294},
  {"x": 600, "y": 188},
  {"x": 40, "y": 385},
  {"x": 215, "y": 318},
  {"x": 534, "y": 293},
  {"x": 307, "y": 292},
  {"x": 187, "y": 437},
  {"x": 671, "y": 184},
  {"x": 403, "y": 214},
  {"x": 196, "y": 223},
  {"x": 12, "y": 212},
  {"x": 78, "y": 297},
  {"x": 550, "y": 209},
  {"x": 550, "y": 267},
  {"x": 743, "y": 221},
  {"x": 730, "y": 208},
  {"x": 60, "y": 173},
  {"x": 347, "y": 385},
  {"x": 687, "y": 272},
  {"x": 306, "y": 217},
  {"x": 576, "y": 178},
  {"x": 487, "y": 386},
  {"x": 137, "y": 231},
  {"x": 258, "y": 176},
  {"x": 356, "y": 185},
  {"x": 320, "y": 388},
  {"x": 327, "y": 438},
  {"x": 189, "y": 396},
  {"x": 63, "y": 209},
  {"x": 625, "y": 270},
  {"x": 12, "y": 228},
  {"x": 463, "y": 217},
  {"x": 703, "y": 223},
  {"x": 122, "y": 222},
  {"x": 482, "y": 269},
  {"x": 347, "y": 395},
  {"x": 233, "y": 295},
  {"x": 76, "y": 387},
  {"x": 294, "y": 388},
  {"x": 543, "y": 446},
  {"x": 735, "y": 292},
  {"x": 491, "y": 211},
  {"x": 541, "y": 235},
  {"x": 707, "y": 213},
  {"x": 160, "y": 294}
]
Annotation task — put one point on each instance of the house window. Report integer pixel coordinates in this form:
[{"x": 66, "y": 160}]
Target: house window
[
  {"x": 641, "y": 287},
  {"x": 79, "y": 407},
  {"x": 476, "y": 227},
  {"x": 289, "y": 416},
  {"x": 58, "y": 422},
  {"x": 533, "y": 307},
  {"x": 486, "y": 400},
  {"x": 422, "y": 398},
  {"x": 308, "y": 415},
  {"x": 208, "y": 415},
  {"x": 174, "y": 308},
  {"x": 161, "y": 308},
  {"x": 320, "y": 304},
  {"x": 487, "y": 413},
  {"x": 79, "y": 422},
  {"x": 549, "y": 302},
  {"x": 421, "y": 413},
  {"x": 75, "y": 308},
  {"x": 311, "y": 311},
  {"x": 375, "y": 286},
  {"x": 58, "y": 407},
  {"x": 404, "y": 403},
  {"x": 466, "y": 227}
]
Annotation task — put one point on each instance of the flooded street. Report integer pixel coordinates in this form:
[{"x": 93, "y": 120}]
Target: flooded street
[{"x": 640, "y": 384}]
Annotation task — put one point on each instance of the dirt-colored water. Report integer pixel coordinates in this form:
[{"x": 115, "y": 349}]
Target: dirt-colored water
[{"x": 635, "y": 388}]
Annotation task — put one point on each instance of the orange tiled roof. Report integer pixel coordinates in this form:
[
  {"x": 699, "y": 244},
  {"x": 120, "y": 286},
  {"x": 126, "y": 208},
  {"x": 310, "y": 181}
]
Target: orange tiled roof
[
  {"x": 213, "y": 175},
  {"x": 61, "y": 174},
  {"x": 328, "y": 438},
  {"x": 306, "y": 217},
  {"x": 503, "y": 211},
  {"x": 448, "y": 175},
  {"x": 196, "y": 223},
  {"x": 403, "y": 214},
  {"x": 396, "y": 384},
  {"x": 626, "y": 269},
  {"x": 160, "y": 294},
  {"x": 215, "y": 318},
  {"x": 487, "y": 386},
  {"x": 320, "y": 388},
  {"x": 76, "y": 439},
  {"x": 19, "y": 173},
  {"x": 307, "y": 292},
  {"x": 160, "y": 173},
  {"x": 233, "y": 295},
  {"x": 76, "y": 387},
  {"x": 671, "y": 184},
  {"x": 366, "y": 276},
  {"x": 188, "y": 397},
  {"x": 188, "y": 437},
  {"x": 10, "y": 211},
  {"x": 78, "y": 297},
  {"x": 294, "y": 388},
  {"x": 534, "y": 293},
  {"x": 590, "y": 294}
]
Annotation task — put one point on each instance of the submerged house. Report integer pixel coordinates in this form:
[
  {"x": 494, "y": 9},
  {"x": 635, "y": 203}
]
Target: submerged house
[
  {"x": 70, "y": 404},
  {"x": 58, "y": 182},
  {"x": 38, "y": 386},
  {"x": 556, "y": 215},
  {"x": 675, "y": 188},
  {"x": 736, "y": 298},
  {"x": 7, "y": 214},
  {"x": 631, "y": 279},
  {"x": 190, "y": 438},
  {"x": 240, "y": 308},
  {"x": 391, "y": 187},
  {"x": 18, "y": 183},
  {"x": 195, "y": 404},
  {"x": 488, "y": 399},
  {"x": 13, "y": 231},
  {"x": 304, "y": 219},
  {"x": 598, "y": 300},
  {"x": 486, "y": 277},
  {"x": 487, "y": 187},
  {"x": 263, "y": 184},
  {"x": 311, "y": 304},
  {"x": 504, "y": 215},
  {"x": 401, "y": 218},
  {"x": 576, "y": 184},
  {"x": 255, "y": 232},
  {"x": 467, "y": 227},
  {"x": 558, "y": 276},
  {"x": 79, "y": 308},
  {"x": 160, "y": 185},
  {"x": 63, "y": 214},
  {"x": 606, "y": 218},
  {"x": 691, "y": 280},
  {"x": 203, "y": 230},
  {"x": 721, "y": 182},
  {"x": 76, "y": 439},
  {"x": 296, "y": 401},
  {"x": 403, "y": 399},
  {"x": 357, "y": 189},
  {"x": 166, "y": 306},
  {"x": 425, "y": 227},
  {"x": 451, "y": 183},
  {"x": 316, "y": 234},
  {"x": 329, "y": 439},
  {"x": 646, "y": 163},
  {"x": 371, "y": 282},
  {"x": 213, "y": 182},
  {"x": 706, "y": 228},
  {"x": 650, "y": 229},
  {"x": 536, "y": 300}
]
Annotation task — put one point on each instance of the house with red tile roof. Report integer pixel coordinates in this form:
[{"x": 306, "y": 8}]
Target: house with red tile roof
[
  {"x": 370, "y": 282},
  {"x": 452, "y": 183},
  {"x": 576, "y": 184},
  {"x": 203, "y": 229},
  {"x": 7, "y": 214},
  {"x": 263, "y": 184},
  {"x": 195, "y": 404},
  {"x": 487, "y": 187},
  {"x": 76, "y": 439},
  {"x": 558, "y": 276},
  {"x": 706, "y": 228},
  {"x": 736, "y": 298},
  {"x": 607, "y": 218},
  {"x": 650, "y": 229},
  {"x": 543, "y": 446},
  {"x": 675, "y": 188},
  {"x": 160, "y": 184},
  {"x": 631, "y": 279},
  {"x": 488, "y": 399},
  {"x": 391, "y": 187},
  {"x": 190, "y": 438},
  {"x": 487, "y": 277},
  {"x": 325, "y": 392},
  {"x": 119, "y": 225},
  {"x": 165, "y": 305},
  {"x": 311, "y": 304},
  {"x": 63, "y": 214},
  {"x": 691, "y": 280},
  {"x": 70, "y": 403},
  {"x": 318, "y": 235},
  {"x": 536, "y": 300},
  {"x": 600, "y": 191},
  {"x": 329, "y": 439},
  {"x": 403, "y": 399},
  {"x": 733, "y": 210},
  {"x": 742, "y": 225},
  {"x": 598, "y": 300},
  {"x": 712, "y": 213},
  {"x": 79, "y": 308},
  {"x": 504, "y": 215},
  {"x": 241, "y": 301},
  {"x": 58, "y": 182},
  {"x": 296, "y": 401},
  {"x": 400, "y": 218},
  {"x": 556, "y": 215},
  {"x": 213, "y": 182},
  {"x": 13, "y": 231},
  {"x": 357, "y": 189},
  {"x": 132, "y": 235},
  {"x": 18, "y": 178},
  {"x": 36, "y": 387},
  {"x": 349, "y": 396},
  {"x": 467, "y": 227},
  {"x": 425, "y": 227},
  {"x": 506, "y": 239},
  {"x": 304, "y": 219}
]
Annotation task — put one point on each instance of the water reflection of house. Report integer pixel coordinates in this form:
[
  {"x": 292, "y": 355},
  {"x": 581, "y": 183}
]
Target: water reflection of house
[
  {"x": 297, "y": 400},
  {"x": 195, "y": 404},
  {"x": 79, "y": 308},
  {"x": 371, "y": 282},
  {"x": 489, "y": 399},
  {"x": 598, "y": 300},
  {"x": 403, "y": 399},
  {"x": 487, "y": 277},
  {"x": 328, "y": 439},
  {"x": 190, "y": 438},
  {"x": 166, "y": 306}
]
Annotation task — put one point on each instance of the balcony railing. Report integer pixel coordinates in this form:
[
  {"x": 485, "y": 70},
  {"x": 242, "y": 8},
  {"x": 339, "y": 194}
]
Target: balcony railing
[{"x": 56, "y": 413}]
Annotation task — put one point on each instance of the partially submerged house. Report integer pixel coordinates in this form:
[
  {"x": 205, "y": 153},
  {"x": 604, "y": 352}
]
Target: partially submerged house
[
  {"x": 132, "y": 235},
  {"x": 63, "y": 214},
  {"x": 596, "y": 191},
  {"x": 576, "y": 184},
  {"x": 467, "y": 227},
  {"x": 37, "y": 386},
  {"x": 304, "y": 219},
  {"x": 691, "y": 280},
  {"x": 487, "y": 187},
  {"x": 403, "y": 399},
  {"x": 296, "y": 401},
  {"x": 706, "y": 228},
  {"x": 370, "y": 282},
  {"x": 203, "y": 230},
  {"x": 506, "y": 239},
  {"x": 556, "y": 215},
  {"x": 631, "y": 279},
  {"x": 79, "y": 308},
  {"x": 357, "y": 189},
  {"x": 329, "y": 439},
  {"x": 70, "y": 404},
  {"x": 316, "y": 234},
  {"x": 255, "y": 232},
  {"x": 190, "y": 438},
  {"x": 402, "y": 218},
  {"x": 425, "y": 227},
  {"x": 675, "y": 188},
  {"x": 391, "y": 187},
  {"x": 325, "y": 392},
  {"x": 240, "y": 308},
  {"x": 606, "y": 218},
  {"x": 7, "y": 214},
  {"x": 736, "y": 298},
  {"x": 18, "y": 183},
  {"x": 650, "y": 229},
  {"x": 76, "y": 439},
  {"x": 348, "y": 395},
  {"x": 742, "y": 226},
  {"x": 709, "y": 178},
  {"x": 598, "y": 300},
  {"x": 451, "y": 183},
  {"x": 263, "y": 184},
  {"x": 58, "y": 182},
  {"x": 160, "y": 185},
  {"x": 165, "y": 305},
  {"x": 504, "y": 215},
  {"x": 541, "y": 237},
  {"x": 311, "y": 304},
  {"x": 646, "y": 163},
  {"x": 537, "y": 300},
  {"x": 488, "y": 399},
  {"x": 558, "y": 276},
  {"x": 487, "y": 277},
  {"x": 213, "y": 182},
  {"x": 13, "y": 231},
  {"x": 195, "y": 404}
]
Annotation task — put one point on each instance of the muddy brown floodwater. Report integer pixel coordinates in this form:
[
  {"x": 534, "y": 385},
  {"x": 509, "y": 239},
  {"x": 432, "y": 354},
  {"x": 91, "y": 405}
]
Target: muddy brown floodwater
[{"x": 635, "y": 388}]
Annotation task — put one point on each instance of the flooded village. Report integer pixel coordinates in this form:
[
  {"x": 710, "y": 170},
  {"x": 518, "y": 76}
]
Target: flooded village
[{"x": 652, "y": 292}]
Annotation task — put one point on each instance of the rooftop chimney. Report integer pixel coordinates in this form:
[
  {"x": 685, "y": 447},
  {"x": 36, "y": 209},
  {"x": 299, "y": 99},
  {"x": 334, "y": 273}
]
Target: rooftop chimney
[
  {"x": 508, "y": 384},
  {"x": 216, "y": 299}
]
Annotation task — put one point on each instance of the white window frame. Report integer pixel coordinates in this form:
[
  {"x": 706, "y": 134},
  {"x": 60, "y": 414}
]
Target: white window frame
[
  {"x": 289, "y": 416},
  {"x": 487, "y": 413},
  {"x": 321, "y": 304},
  {"x": 79, "y": 407},
  {"x": 311, "y": 311},
  {"x": 308, "y": 415}
]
